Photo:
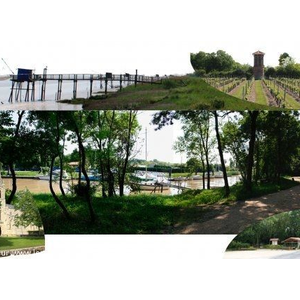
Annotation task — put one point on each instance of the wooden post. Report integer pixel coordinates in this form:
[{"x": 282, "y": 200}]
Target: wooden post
[
  {"x": 33, "y": 91},
  {"x": 27, "y": 92},
  {"x": 18, "y": 91},
  {"x": 75, "y": 87},
  {"x": 135, "y": 78},
  {"x": 10, "y": 99},
  {"x": 105, "y": 85},
  {"x": 121, "y": 82},
  {"x": 44, "y": 80},
  {"x": 91, "y": 86}
]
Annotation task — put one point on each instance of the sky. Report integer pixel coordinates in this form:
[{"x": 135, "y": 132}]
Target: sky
[{"x": 155, "y": 37}]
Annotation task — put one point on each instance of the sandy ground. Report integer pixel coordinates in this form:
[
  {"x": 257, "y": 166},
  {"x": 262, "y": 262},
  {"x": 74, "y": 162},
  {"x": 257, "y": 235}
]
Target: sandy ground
[
  {"x": 39, "y": 105},
  {"x": 263, "y": 254},
  {"x": 232, "y": 219}
]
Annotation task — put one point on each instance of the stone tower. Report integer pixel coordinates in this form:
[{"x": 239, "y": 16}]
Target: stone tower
[{"x": 258, "y": 69}]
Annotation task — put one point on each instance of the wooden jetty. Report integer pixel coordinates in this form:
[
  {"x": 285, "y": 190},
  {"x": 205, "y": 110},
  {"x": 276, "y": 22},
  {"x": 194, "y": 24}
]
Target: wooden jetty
[{"x": 26, "y": 80}]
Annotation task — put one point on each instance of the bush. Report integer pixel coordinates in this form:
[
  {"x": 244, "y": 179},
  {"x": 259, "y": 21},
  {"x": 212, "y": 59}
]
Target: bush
[
  {"x": 169, "y": 84},
  {"x": 235, "y": 245},
  {"x": 81, "y": 190},
  {"x": 273, "y": 247}
]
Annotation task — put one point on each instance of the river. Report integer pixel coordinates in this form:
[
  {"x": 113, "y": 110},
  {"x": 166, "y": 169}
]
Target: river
[
  {"x": 42, "y": 186},
  {"x": 51, "y": 90}
]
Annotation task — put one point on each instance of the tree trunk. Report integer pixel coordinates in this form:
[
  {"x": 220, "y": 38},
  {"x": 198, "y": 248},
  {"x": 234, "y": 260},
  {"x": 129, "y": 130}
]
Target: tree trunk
[
  {"x": 14, "y": 183},
  {"x": 253, "y": 118},
  {"x": 61, "y": 205},
  {"x": 220, "y": 148},
  {"x": 84, "y": 172},
  {"x": 60, "y": 155},
  {"x": 61, "y": 176},
  {"x": 11, "y": 163},
  {"x": 208, "y": 170}
]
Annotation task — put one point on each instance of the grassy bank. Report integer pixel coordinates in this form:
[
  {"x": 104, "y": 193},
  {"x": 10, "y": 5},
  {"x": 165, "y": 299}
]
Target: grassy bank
[
  {"x": 10, "y": 243},
  {"x": 142, "y": 213},
  {"x": 175, "y": 93}
]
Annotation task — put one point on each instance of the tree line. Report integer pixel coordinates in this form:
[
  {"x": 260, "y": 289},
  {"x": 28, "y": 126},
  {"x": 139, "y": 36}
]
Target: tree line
[
  {"x": 40, "y": 137},
  {"x": 264, "y": 145}
]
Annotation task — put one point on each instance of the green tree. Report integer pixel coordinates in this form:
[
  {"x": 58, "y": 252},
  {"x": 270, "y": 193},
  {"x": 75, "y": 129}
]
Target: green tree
[{"x": 30, "y": 215}]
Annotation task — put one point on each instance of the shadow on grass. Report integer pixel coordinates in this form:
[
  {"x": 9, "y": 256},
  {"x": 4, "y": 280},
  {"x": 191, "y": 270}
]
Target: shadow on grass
[{"x": 141, "y": 214}]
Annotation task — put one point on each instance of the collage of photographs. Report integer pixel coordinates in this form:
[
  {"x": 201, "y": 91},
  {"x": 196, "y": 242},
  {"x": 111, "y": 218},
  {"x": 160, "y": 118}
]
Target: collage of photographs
[
  {"x": 93, "y": 168},
  {"x": 123, "y": 133}
]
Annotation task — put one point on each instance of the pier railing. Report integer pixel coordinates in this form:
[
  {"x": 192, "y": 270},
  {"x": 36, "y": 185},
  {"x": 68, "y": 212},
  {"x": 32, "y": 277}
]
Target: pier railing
[{"x": 108, "y": 78}]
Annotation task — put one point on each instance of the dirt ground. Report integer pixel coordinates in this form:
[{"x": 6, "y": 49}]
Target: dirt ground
[{"x": 232, "y": 219}]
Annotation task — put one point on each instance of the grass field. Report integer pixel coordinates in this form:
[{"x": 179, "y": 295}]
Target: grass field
[
  {"x": 290, "y": 102},
  {"x": 138, "y": 214},
  {"x": 176, "y": 93},
  {"x": 9, "y": 243},
  {"x": 238, "y": 93},
  {"x": 260, "y": 96}
]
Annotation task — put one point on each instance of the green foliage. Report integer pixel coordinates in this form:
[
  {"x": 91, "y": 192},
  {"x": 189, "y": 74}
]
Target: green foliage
[
  {"x": 30, "y": 215},
  {"x": 235, "y": 245},
  {"x": 80, "y": 190},
  {"x": 281, "y": 226},
  {"x": 169, "y": 84}
]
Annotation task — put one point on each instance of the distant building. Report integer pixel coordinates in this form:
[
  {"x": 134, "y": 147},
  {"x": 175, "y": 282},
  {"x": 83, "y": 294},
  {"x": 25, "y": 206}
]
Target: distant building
[
  {"x": 258, "y": 68},
  {"x": 274, "y": 241},
  {"x": 292, "y": 242}
]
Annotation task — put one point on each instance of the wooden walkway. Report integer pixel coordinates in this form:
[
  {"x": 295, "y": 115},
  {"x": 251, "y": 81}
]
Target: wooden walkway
[{"x": 27, "y": 82}]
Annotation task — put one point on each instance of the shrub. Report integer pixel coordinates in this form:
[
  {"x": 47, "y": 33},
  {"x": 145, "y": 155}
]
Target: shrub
[
  {"x": 169, "y": 84},
  {"x": 81, "y": 190},
  {"x": 235, "y": 245}
]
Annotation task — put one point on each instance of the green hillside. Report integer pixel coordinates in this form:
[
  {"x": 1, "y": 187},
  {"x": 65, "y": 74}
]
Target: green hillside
[{"x": 176, "y": 93}]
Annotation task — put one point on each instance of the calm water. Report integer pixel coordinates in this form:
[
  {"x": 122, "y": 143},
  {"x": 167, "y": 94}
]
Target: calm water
[
  {"x": 33, "y": 185},
  {"x": 51, "y": 90},
  {"x": 42, "y": 186}
]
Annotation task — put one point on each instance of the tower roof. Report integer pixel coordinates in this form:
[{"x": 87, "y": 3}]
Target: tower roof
[{"x": 258, "y": 53}]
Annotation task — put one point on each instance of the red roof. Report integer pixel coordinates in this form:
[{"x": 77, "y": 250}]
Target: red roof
[
  {"x": 258, "y": 53},
  {"x": 292, "y": 240}
]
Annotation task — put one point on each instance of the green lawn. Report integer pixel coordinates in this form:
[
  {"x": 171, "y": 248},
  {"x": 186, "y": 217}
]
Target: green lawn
[
  {"x": 290, "y": 102},
  {"x": 176, "y": 93},
  {"x": 260, "y": 96},
  {"x": 141, "y": 213},
  {"x": 9, "y": 243},
  {"x": 27, "y": 173},
  {"x": 238, "y": 93}
]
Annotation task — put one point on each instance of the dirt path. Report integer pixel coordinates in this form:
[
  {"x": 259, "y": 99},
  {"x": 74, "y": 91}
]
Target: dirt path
[
  {"x": 271, "y": 99},
  {"x": 263, "y": 253},
  {"x": 252, "y": 95},
  {"x": 232, "y": 219}
]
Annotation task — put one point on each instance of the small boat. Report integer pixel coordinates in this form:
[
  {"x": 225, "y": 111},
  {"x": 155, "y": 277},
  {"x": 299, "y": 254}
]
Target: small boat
[
  {"x": 55, "y": 175},
  {"x": 218, "y": 174}
]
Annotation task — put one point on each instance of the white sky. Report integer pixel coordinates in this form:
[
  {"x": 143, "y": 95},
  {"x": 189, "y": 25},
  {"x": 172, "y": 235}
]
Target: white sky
[{"x": 153, "y": 36}]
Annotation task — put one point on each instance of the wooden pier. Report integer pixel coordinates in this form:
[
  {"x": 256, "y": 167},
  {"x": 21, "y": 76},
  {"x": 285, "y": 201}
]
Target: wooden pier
[{"x": 26, "y": 80}]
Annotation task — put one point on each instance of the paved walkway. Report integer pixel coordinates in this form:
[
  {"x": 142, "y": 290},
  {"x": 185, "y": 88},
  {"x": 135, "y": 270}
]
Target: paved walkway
[
  {"x": 232, "y": 219},
  {"x": 264, "y": 253}
]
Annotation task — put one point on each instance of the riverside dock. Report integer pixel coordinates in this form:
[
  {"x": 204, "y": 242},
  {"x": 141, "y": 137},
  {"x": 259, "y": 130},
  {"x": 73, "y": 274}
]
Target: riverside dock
[{"x": 26, "y": 80}]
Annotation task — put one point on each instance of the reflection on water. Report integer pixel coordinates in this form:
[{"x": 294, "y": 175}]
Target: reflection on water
[
  {"x": 83, "y": 88},
  {"x": 42, "y": 186}
]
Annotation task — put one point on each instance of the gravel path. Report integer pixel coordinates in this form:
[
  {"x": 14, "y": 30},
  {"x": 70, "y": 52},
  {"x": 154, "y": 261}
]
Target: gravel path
[
  {"x": 252, "y": 94},
  {"x": 266, "y": 254},
  {"x": 232, "y": 219}
]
